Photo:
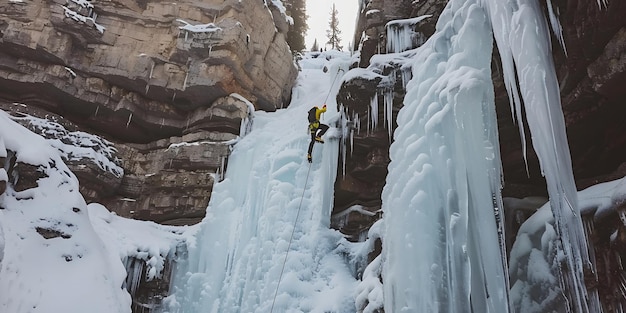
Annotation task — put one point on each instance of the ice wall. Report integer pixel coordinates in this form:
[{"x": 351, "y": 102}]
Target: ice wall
[
  {"x": 273, "y": 203},
  {"x": 441, "y": 246}
]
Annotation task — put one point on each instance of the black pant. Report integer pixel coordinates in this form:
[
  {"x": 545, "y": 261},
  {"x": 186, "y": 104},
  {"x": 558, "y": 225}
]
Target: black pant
[{"x": 322, "y": 128}]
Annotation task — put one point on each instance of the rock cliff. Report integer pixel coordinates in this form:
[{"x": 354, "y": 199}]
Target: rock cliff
[{"x": 168, "y": 84}]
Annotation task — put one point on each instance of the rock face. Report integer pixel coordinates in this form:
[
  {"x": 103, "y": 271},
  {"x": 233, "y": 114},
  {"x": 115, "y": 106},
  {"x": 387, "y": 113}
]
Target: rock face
[{"x": 149, "y": 77}]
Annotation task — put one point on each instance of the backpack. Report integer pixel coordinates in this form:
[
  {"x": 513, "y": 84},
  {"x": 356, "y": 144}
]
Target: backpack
[{"x": 312, "y": 117}]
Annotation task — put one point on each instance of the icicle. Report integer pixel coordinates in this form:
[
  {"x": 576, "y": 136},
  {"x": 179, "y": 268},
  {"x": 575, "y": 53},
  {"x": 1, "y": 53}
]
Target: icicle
[
  {"x": 368, "y": 120},
  {"x": 162, "y": 122},
  {"x": 622, "y": 216},
  {"x": 388, "y": 104},
  {"x": 147, "y": 88},
  {"x": 393, "y": 77},
  {"x": 556, "y": 26},
  {"x": 185, "y": 81},
  {"x": 533, "y": 68},
  {"x": 400, "y": 34},
  {"x": 174, "y": 97},
  {"x": 151, "y": 70},
  {"x": 222, "y": 168},
  {"x": 407, "y": 74},
  {"x": 344, "y": 129},
  {"x": 244, "y": 127},
  {"x": 129, "y": 118},
  {"x": 134, "y": 267},
  {"x": 374, "y": 111},
  {"x": 357, "y": 125},
  {"x": 96, "y": 113}
]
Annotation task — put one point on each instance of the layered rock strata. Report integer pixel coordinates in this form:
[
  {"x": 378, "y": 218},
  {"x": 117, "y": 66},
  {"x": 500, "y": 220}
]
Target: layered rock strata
[{"x": 146, "y": 76}]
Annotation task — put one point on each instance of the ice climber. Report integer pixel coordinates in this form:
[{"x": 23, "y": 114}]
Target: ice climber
[{"x": 314, "y": 127}]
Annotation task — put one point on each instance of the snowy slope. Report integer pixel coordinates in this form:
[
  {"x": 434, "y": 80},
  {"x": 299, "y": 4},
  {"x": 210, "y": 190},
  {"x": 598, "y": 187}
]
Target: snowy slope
[
  {"x": 53, "y": 260},
  {"x": 58, "y": 254}
]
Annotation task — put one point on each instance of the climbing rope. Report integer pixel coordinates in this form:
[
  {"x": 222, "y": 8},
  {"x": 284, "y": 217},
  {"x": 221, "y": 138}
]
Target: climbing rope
[
  {"x": 291, "y": 238},
  {"x": 282, "y": 270},
  {"x": 332, "y": 84}
]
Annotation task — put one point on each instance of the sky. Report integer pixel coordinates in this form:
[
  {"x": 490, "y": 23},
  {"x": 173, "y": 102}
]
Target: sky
[
  {"x": 270, "y": 215},
  {"x": 319, "y": 15}
]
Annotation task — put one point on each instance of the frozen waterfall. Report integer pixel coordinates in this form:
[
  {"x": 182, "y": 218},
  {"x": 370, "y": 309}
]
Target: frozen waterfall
[
  {"x": 443, "y": 249},
  {"x": 441, "y": 242},
  {"x": 237, "y": 252}
]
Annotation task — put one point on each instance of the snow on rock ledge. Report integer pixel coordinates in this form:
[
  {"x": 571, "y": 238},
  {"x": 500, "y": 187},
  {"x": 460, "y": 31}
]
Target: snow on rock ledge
[{"x": 58, "y": 254}]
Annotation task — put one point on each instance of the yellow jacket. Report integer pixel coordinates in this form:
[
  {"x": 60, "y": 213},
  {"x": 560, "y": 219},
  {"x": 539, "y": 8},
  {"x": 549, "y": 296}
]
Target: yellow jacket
[{"x": 318, "y": 112}]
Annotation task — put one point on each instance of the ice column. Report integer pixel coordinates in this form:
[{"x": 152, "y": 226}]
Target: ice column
[{"x": 441, "y": 247}]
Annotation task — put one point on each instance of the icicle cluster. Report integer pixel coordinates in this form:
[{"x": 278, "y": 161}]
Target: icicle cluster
[
  {"x": 401, "y": 35},
  {"x": 522, "y": 35}
]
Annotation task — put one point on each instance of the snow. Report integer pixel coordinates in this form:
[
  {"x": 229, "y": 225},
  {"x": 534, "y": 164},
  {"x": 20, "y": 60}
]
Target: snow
[
  {"x": 360, "y": 73},
  {"x": 83, "y": 19},
  {"x": 84, "y": 3},
  {"x": 281, "y": 8},
  {"x": 371, "y": 12},
  {"x": 200, "y": 28},
  {"x": 71, "y": 272},
  {"x": 146, "y": 241},
  {"x": 58, "y": 254},
  {"x": 536, "y": 253},
  {"x": 75, "y": 145}
]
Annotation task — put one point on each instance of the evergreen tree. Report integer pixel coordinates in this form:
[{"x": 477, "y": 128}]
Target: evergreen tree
[
  {"x": 315, "y": 46},
  {"x": 333, "y": 33},
  {"x": 295, "y": 37}
]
